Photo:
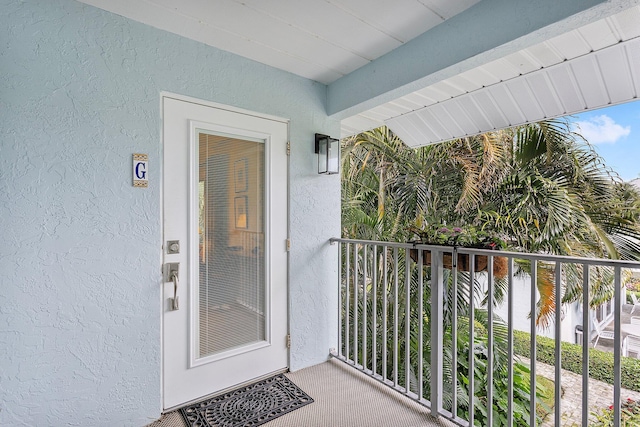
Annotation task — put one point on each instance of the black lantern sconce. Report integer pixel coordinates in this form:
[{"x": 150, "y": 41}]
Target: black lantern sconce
[{"x": 328, "y": 151}]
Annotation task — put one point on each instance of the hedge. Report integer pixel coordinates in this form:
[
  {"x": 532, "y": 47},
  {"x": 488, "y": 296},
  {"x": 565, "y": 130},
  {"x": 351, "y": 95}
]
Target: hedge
[{"x": 600, "y": 362}]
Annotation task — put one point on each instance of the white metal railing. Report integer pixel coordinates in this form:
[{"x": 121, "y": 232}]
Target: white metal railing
[{"x": 386, "y": 300}]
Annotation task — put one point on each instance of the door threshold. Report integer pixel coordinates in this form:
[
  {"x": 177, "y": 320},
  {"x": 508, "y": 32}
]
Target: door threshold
[{"x": 226, "y": 390}]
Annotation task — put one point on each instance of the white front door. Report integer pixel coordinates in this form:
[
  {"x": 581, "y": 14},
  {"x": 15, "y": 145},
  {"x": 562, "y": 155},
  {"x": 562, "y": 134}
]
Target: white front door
[{"x": 225, "y": 208}]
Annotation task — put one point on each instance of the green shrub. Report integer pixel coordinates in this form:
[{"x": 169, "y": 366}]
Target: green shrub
[
  {"x": 600, "y": 362},
  {"x": 521, "y": 388}
]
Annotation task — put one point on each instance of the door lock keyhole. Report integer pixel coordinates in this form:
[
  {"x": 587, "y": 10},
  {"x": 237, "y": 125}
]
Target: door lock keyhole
[{"x": 173, "y": 246}]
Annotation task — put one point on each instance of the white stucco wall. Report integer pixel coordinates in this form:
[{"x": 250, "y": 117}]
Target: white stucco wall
[
  {"x": 80, "y": 258},
  {"x": 522, "y": 309}
]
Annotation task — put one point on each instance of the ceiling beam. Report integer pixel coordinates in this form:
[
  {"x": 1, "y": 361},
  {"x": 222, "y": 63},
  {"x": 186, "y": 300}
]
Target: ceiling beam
[{"x": 489, "y": 30}]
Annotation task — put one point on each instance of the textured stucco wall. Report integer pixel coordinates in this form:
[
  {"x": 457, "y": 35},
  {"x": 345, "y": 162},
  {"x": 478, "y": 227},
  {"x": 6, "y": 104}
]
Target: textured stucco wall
[{"x": 80, "y": 257}]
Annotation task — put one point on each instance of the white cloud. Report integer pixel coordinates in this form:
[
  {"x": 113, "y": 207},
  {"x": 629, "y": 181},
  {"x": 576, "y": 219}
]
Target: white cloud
[{"x": 602, "y": 130}]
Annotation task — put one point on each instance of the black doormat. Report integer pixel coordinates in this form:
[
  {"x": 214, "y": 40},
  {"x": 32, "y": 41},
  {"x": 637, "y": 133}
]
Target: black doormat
[{"x": 249, "y": 406}]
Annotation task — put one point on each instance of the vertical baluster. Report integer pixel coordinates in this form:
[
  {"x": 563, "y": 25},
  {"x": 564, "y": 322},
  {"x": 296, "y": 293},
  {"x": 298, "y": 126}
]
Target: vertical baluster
[
  {"x": 617, "y": 345},
  {"x": 385, "y": 301},
  {"x": 374, "y": 311},
  {"x": 454, "y": 336},
  {"x": 356, "y": 292},
  {"x": 341, "y": 271},
  {"x": 420, "y": 320},
  {"x": 558, "y": 349},
  {"x": 407, "y": 321},
  {"x": 510, "y": 343},
  {"x": 532, "y": 382},
  {"x": 346, "y": 302},
  {"x": 490, "y": 341},
  {"x": 586, "y": 339},
  {"x": 395, "y": 317},
  {"x": 437, "y": 332},
  {"x": 472, "y": 268},
  {"x": 365, "y": 277}
]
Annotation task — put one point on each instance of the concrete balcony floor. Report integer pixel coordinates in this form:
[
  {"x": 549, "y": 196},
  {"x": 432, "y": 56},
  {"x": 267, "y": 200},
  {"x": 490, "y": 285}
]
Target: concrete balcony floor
[{"x": 343, "y": 397}]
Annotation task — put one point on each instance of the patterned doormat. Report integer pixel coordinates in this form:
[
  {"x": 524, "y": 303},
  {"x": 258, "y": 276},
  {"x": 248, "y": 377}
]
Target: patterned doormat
[{"x": 249, "y": 406}]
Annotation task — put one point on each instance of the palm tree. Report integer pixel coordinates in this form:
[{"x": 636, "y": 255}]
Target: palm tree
[{"x": 540, "y": 186}]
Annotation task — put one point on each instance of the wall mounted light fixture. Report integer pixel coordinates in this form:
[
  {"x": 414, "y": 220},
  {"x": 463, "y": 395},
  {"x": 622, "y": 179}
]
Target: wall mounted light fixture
[{"x": 328, "y": 151}]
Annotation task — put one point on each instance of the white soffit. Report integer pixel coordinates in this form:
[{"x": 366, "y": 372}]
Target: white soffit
[
  {"x": 588, "y": 68},
  {"x": 321, "y": 40}
]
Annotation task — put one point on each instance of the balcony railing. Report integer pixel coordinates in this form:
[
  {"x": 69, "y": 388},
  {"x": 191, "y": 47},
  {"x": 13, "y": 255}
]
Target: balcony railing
[{"x": 418, "y": 319}]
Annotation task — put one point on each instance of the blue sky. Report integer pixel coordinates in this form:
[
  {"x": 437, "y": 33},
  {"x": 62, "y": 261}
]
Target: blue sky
[{"x": 615, "y": 133}]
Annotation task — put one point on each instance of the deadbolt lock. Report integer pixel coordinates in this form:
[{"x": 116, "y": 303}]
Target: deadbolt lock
[{"x": 173, "y": 246}]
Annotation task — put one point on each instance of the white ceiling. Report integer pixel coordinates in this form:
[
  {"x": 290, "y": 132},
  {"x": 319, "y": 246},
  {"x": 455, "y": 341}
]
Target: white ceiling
[
  {"x": 321, "y": 40},
  {"x": 324, "y": 40},
  {"x": 588, "y": 68}
]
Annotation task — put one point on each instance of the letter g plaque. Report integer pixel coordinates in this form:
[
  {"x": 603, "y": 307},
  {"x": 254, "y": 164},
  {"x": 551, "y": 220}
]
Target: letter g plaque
[{"x": 140, "y": 170}]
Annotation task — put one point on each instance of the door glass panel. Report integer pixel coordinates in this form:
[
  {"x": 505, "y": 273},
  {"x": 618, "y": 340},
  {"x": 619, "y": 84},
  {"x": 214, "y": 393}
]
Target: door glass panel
[{"x": 231, "y": 243}]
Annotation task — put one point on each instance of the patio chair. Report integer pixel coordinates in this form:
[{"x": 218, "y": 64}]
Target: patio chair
[
  {"x": 632, "y": 345},
  {"x": 635, "y": 320},
  {"x": 636, "y": 303},
  {"x": 600, "y": 333}
]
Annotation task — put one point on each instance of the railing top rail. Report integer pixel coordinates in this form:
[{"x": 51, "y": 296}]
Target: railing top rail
[{"x": 520, "y": 255}]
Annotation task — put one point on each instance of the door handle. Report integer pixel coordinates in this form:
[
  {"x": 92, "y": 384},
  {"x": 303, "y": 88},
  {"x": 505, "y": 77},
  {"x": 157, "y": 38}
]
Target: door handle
[
  {"x": 171, "y": 274},
  {"x": 174, "y": 300}
]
